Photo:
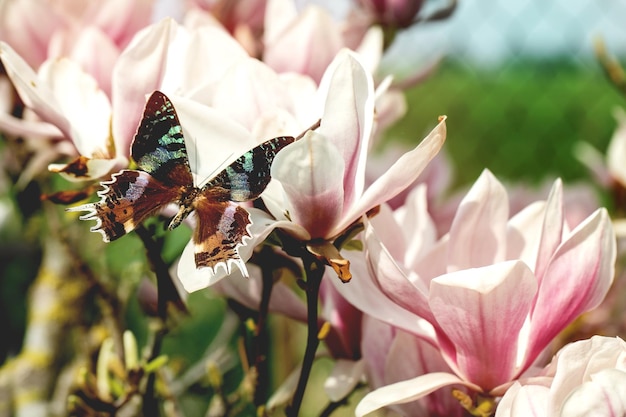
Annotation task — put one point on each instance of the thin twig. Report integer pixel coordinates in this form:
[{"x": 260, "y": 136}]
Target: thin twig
[{"x": 314, "y": 271}]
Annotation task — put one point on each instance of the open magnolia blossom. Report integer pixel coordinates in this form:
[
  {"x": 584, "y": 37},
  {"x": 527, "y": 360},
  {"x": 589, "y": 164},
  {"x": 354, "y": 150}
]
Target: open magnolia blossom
[
  {"x": 319, "y": 187},
  {"x": 491, "y": 294},
  {"x": 586, "y": 378}
]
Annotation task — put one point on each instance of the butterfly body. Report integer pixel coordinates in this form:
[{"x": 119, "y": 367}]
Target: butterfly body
[{"x": 165, "y": 177}]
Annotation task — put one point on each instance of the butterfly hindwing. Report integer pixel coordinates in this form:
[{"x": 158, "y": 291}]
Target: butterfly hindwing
[
  {"x": 246, "y": 178},
  {"x": 159, "y": 146},
  {"x": 126, "y": 200},
  {"x": 221, "y": 229}
]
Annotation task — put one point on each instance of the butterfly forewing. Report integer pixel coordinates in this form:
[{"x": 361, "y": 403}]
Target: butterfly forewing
[
  {"x": 159, "y": 146},
  {"x": 246, "y": 178}
]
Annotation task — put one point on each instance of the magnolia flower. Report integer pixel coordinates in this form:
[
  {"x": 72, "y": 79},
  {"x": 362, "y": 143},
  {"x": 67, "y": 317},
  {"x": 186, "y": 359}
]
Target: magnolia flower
[
  {"x": 491, "y": 294},
  {"x": 71, "y": 104},
  {"x": 318, "y": 190},
  {"x": 391, "y": 355},
  {"x": 91, "y": 33},
  {"x": 585, "y": 378},
  {"x": 306, "y": 42}
]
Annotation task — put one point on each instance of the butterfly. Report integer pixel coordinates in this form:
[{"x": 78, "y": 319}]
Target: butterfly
[{"x": 164, "y": 176}]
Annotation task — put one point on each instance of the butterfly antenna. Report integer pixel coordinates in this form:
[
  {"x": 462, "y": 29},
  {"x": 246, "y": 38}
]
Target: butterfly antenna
[{"x": 312, "y": 127}]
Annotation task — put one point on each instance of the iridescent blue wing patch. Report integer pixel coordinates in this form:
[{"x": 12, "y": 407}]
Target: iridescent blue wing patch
[
  {"x": 246, "y": 178},
  {"x": 159, "y": 146}
]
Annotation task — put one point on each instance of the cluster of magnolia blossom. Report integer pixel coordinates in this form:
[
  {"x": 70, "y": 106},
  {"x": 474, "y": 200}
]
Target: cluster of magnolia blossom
[{"x": 438, "y": 317}]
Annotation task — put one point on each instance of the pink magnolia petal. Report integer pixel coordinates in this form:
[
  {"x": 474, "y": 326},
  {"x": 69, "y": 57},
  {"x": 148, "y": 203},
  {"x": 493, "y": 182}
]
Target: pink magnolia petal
[
  {"x": 96, "y": 54},
  {"x": 521, "y": 234},
  {"x": 83, "y": 103},
  {"x": 481, "y": 311},
  {"x": 552, "y": 230},
  {"x": 348, "y": 119},
  {"x": 365, "y": 294},
  {"x": 343, "y": 378},
  {"x": 212, "y": 140},
  {"x": 27, "y": 27},
  {"x": 248, "y": 90},
  {"x": 139, "y": 70},
  {"x": 409, "y": 357},
  {"x": 405, "y": 391},
  {"x": 398, "y": 177},
  {"x": 576, "y": 280},
  {"x": 306, "y": 46},
  {"x": 310, "y": 171},
  {"x": 604, "y": 396},
  {"x": 417, "y": 225},
  {"x": 121, "y": 19},
  {"x": 578, "y": 362},
  {"x": 20, "y": 127},
  {"x": 393, "y": 279},
  {"x": 376, "y": 340},
  {"x": 483, "y": 213},
  {"x": 35, "y": 95},
  {"x": 616, "y": 151},
  {"x": 201, "y": 72},
  {"x": 523, "y": 401},
  {"x": 279, "y": 15}
]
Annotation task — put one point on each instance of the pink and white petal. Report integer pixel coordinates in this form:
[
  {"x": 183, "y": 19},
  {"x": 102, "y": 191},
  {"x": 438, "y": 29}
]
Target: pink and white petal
[
  {"x": 398, "y": 177},
  {"x": 616, "y": 151},
  {"x": 27, "y": 27},
  {"x": 121, "y": 19},
  {"x": 577, "y": 362},
  {"x": 406, "y": 391},
  {"x": 33, "y": 92},
  {"x": 279, "y": 15},
  {"x": 481, "y": 311},
  {"x": 364, "y": 293},
  {"x": 310, "y": 171},
  {"x": 97, "y": 55},
  {"x": 83, "y": 103},
  {"x": 348, "y": 119},
  {"x": 391, "y": 232},
  {"x": 249, "y": 90},
  {"x": 524, "y": 401},
  {"x": 522, "y": 239},
  {"x": 576, "y": 280},
  {"x": 212, "y": 140},
  {"x": 484, "y": 212},
  {"x": 393, "y": 279},
  {"x": 343, "y": 378},
  {"x": 202, "y": 73},
  {"x": 140, "y": 69},
  {"x": 419, "y": 229},
  {"x": 370, "y": 49},
  {"x": 605, "y": 395},
  {"x": 376, "y": 339},
  {"x": 552, "y": 229},
  {"x": 306, "y": 46},
  {"x": 20, "y": 127}
]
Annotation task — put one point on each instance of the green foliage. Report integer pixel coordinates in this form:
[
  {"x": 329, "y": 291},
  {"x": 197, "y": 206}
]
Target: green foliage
[{"x": 520, "y": 120}]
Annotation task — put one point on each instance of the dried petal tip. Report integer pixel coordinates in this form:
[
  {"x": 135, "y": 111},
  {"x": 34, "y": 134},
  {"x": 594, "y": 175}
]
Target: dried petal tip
[{"x": 328, "y": 253}]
